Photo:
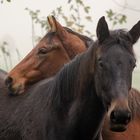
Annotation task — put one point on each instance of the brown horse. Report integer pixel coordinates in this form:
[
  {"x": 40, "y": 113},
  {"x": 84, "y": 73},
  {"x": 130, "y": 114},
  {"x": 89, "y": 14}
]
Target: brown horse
[
  {"x": 72, "y": 104},
  {"x": 133, "y": 130},
  {"x": 56, "y": 48}
]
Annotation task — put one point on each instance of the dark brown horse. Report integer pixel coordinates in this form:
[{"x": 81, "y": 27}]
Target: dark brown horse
[
  {"x": 73, "y": 104},
  {"x": 55, "y": 49},
  {"x": 107, "y": 134}
]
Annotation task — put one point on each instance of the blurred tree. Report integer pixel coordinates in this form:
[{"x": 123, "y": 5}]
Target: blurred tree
[
  {"x": 74, "y": 19},
  {"x": 5, "y": 53},
  {"x": 116, "y": 18},
  {"x": 6, "y": 57},
  {"x": 2, "y": 1},
  {"x": 79, "y": 11}
]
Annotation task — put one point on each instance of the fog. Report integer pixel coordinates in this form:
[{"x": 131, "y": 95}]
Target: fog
[{"x": 15, "y": 22}]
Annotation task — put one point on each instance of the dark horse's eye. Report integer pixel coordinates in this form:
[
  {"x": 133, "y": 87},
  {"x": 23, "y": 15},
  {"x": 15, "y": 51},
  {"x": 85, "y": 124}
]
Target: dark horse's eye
[
  {"x": 100, "y": 63},
  {"x": 134, "y": 65},
  {"x": 42, "y": 50}
]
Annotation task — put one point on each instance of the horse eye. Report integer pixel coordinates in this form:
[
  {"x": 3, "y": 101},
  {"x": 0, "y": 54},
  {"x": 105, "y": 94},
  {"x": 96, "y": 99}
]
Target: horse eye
[
  {"x": 133, "y": 63},
  {"x": 134, "y": 66},
  {"x": 100, "y": 62},
  {"x": 42, "y": 50}
]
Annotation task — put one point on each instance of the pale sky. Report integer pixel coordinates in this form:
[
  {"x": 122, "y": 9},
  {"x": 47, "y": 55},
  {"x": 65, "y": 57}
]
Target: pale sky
[{"x": 15, "y": 22}]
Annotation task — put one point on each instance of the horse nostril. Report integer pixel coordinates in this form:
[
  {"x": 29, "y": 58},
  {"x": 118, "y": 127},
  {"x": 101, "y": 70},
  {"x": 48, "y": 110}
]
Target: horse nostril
[
  {"x": 128, "y": 118},
  {"x": 120, "y": 117},
  {"x": 8, "y": 81},
  {"x": 112, "y": 117}
]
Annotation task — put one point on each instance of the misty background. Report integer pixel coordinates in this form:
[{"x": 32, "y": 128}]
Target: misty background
[{"x": 17, "y": 31}]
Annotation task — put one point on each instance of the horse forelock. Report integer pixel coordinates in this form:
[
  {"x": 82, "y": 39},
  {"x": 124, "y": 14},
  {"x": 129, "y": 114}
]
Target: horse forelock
[
  {"x": 120, "y": 37},
  {"x": 48, "y": 36}
]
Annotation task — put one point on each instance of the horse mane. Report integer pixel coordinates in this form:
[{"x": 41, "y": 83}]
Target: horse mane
[
  {"x": 134, "y": 102},
  {"x": 72, "y": 75},
  {"x": 86, "y": 39}
]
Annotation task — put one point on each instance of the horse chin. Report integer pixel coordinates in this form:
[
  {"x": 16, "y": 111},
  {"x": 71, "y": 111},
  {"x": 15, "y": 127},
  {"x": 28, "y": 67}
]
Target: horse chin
[
  {"x": 118, "y": 127},
  {"x": 16, "y": 91}
]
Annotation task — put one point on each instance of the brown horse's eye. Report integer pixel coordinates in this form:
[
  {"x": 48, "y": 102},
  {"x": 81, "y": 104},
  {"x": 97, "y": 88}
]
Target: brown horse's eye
[
  {"x": 45, "y": 50},
  {"x": 42, "y": 50}
]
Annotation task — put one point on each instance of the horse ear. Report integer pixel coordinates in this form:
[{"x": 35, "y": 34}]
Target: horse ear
[
  {"x": 102, "y": 30},
  {"x": 135, "y": 32},
  {"x": 57, "y": 27},
  {"x": 51, "y": 22}
]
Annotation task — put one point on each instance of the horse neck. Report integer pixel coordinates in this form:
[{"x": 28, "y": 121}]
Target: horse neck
[
  {"x": 76, "y": 96},
  {"x": 86, "y": 116},
  {"x": 73, "y": 78},
  {"x": 86, "y": 40},
  {"x": 73, "y": 50}
]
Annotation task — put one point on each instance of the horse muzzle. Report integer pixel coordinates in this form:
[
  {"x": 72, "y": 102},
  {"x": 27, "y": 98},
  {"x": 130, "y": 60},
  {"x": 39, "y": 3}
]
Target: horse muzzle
[
  {"x": 14, "y": 89},
  {"x": 119, "y": 120}
]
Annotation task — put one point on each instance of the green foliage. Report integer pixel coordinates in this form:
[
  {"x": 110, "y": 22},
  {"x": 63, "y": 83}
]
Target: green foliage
[
  {"x": 5, "y": 55},
  {"x": 73, "y": 20},
  {"x": 116, "y": 18},
  {"x": 78, "y": 11},
  {"x": 2, "y": 1},
  {"x": 42, "y": 21}
]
